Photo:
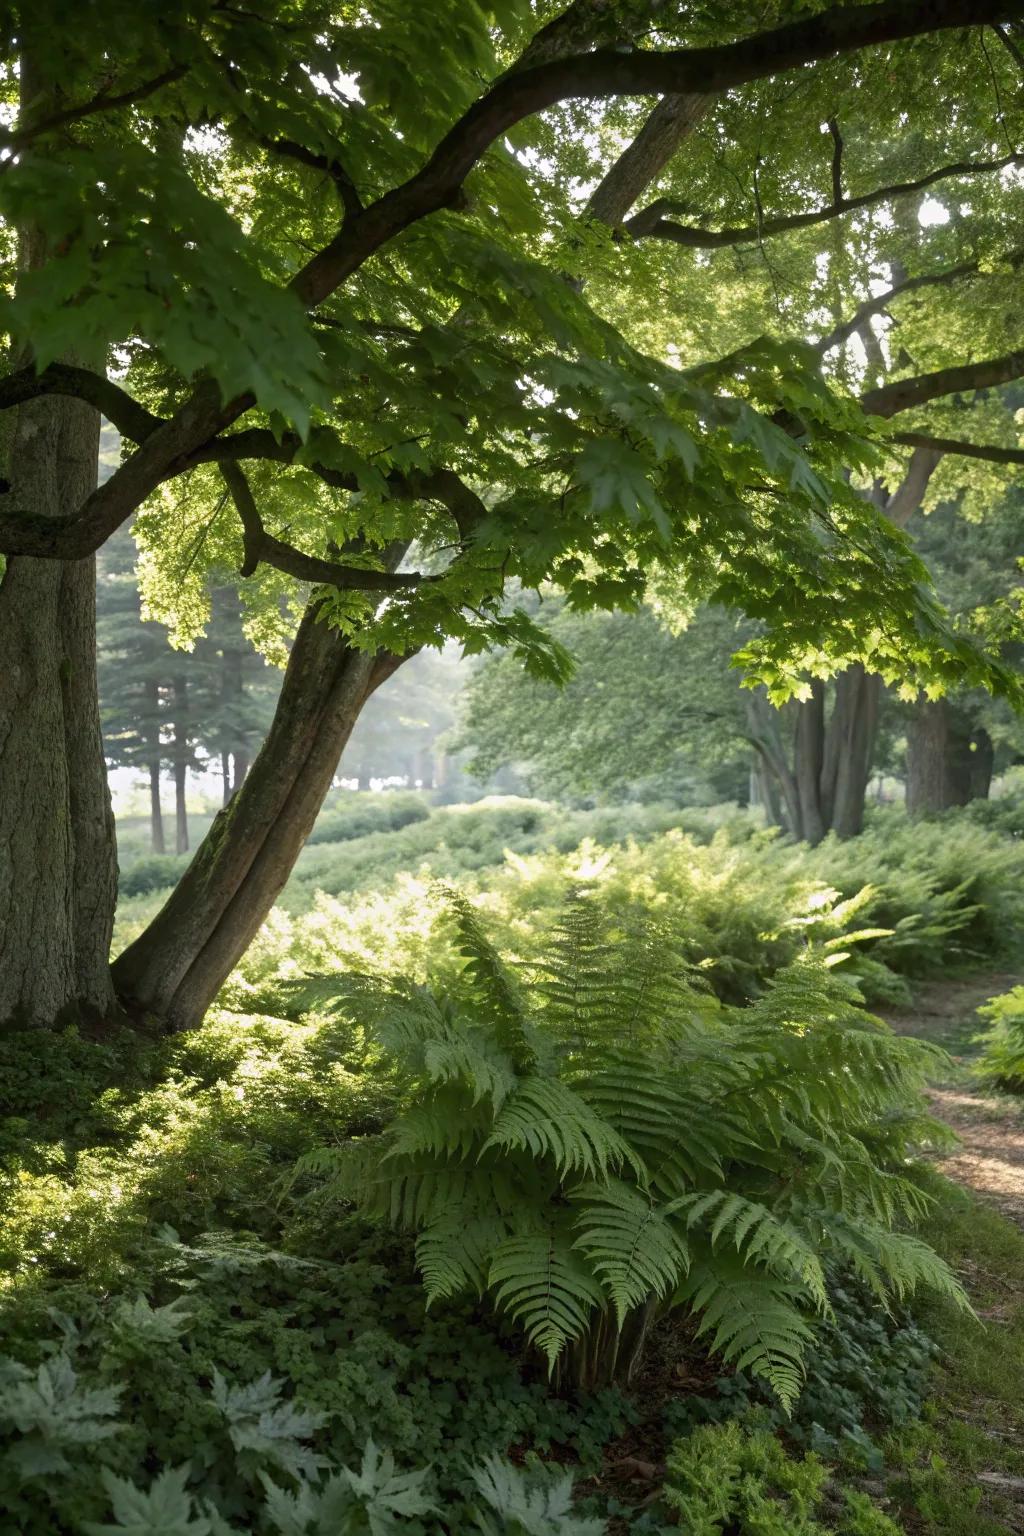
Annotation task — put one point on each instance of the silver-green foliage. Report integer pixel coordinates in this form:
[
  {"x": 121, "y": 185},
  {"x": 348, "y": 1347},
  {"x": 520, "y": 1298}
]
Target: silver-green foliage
[{"x": 605, "y": 1141}]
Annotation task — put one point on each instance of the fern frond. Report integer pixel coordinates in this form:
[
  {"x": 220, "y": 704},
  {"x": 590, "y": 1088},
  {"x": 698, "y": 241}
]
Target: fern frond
[
  {"x": 492, "y": 983},
  {"x": 755, "y": 1321},
  {"x": 541, "y": 1281},
  {"x": 629, "y": 1244},
  {"x": 759, "y": 1236},
  {"x": 548, "y": 1119},
  {"x": 453, "y": 1252}
]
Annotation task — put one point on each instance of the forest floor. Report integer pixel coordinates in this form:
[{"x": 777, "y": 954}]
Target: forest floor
[{"x": 962, "y": 1471}]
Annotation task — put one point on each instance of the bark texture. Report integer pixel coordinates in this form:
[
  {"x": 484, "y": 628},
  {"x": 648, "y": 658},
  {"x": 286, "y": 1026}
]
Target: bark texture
[
  {"x": 949, "y": 760},
  {"x": 58, "y": 869},
  {"x": 174, "y": 970}
]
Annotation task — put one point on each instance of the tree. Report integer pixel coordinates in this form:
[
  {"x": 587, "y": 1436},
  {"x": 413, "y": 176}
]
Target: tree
[
  {"x": 342, "y": 324},
  {"x": 646, "y": 712}
]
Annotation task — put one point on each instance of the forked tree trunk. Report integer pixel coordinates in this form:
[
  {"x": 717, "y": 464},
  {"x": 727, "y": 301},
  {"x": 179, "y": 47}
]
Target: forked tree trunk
[
  {"x": 175, "y": 969},
  {"x": 825, "y": 788},
  {"x": 982, "y": 764}
]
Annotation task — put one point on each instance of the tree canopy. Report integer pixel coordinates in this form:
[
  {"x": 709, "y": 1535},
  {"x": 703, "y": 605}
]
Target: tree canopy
[{"x": 360, "y": 309}]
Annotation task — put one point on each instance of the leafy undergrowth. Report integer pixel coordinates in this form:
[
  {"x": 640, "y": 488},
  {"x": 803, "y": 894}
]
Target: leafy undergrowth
[{"x": 177, "y": 1309}]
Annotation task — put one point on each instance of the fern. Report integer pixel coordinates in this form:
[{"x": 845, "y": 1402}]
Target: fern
[
  {"x": 541, "y": 1281},
  {"x": 634, "y": 1249},
  {"x": 606, "y": 1140}
]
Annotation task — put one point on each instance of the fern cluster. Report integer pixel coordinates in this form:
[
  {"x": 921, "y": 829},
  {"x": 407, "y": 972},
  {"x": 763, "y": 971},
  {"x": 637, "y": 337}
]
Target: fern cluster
[
  {"x": 1002, "y": 1059},
  {"x": 599, "y": 1140}
]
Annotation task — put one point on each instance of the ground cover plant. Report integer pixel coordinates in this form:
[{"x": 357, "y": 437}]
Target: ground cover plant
[{"x": 182, "y": 1265}]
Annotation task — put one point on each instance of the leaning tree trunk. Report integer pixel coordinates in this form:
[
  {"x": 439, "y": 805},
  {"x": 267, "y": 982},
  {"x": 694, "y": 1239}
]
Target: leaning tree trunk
[
  {"x": 58, "y": 869},
  {"x": 175, "y": 969},
  {"x": 942, "y": 753}
]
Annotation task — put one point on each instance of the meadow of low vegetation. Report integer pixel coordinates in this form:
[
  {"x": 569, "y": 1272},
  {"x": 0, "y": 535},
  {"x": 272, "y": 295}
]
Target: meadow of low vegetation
[{"x": 537, "y": 1171}]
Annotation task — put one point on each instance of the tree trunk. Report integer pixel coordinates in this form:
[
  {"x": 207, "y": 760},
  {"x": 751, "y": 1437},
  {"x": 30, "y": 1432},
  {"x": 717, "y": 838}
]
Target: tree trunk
[
  {"x": 808, "y": 761},
  {"x": 58, "y": 862},
  {"x": 180, "y": 763},
  {"x": 982, "y": 764},
  {"x": 156, "y": 815},
  {"x": 948, "y": 764},
  {"x": 849, "y": 750},
  {"x": 225, "y": 774},
  {"x": 240, "y": 762},
  {"x": 175, "y": 969}
]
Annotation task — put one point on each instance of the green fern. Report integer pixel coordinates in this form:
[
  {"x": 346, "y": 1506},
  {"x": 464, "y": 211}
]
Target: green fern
[{"x": 601, "y": 1140}]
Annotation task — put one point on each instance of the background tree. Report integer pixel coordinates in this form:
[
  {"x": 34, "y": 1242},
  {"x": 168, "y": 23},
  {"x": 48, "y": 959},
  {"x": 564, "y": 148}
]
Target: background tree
[{"x": 647, "y": 713}]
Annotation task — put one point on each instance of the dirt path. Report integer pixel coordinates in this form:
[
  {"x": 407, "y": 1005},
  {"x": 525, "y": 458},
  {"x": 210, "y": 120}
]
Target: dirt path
[{"x": 990, "y": 1159}]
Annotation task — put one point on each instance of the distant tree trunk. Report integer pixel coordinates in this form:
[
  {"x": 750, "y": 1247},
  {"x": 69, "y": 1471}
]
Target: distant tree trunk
[
  {"x": 982, "y": 764},
  {"x": 825, "y": 789},
  {"x": 179, "y": 760},
  {"x": 949, "y": 763},
  {"x": 58, "y": 863},
  {"x": 156, "y": 814},
  {"x": 225, "y": 774},
  {"x": 849, "y": 749},
  {"x": 175, "y": 969},
  {"x": 240, "y": 762}
]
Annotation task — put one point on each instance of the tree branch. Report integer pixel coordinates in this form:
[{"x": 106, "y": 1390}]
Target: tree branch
[
  {"x": 649, "y": 224},
  {"x": 837, "y": 161},
  {"x": 330, "y": 165},
  {"x": 262, "y": 548},
  {"x": 522, "y": 92},
  {"x": 992, "y": 452},
  {"x": 909, "y": 494},
  {"x": 18, "y": 138},
  {"x": 672, "y": 121},
  {"x": 518, "y": 94},
  {"x": 889, "y": 399},
  {"x": 874, "y": 306},
  {"x": 129, "y": 417}
]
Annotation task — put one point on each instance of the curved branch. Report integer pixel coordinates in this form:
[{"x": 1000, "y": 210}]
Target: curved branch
[
  {"x": 262, "y": 548},
  {"x": 608, "y": 72},
  {"x": 649, "y": 224},
  {"x": 889, "y": 399},
  {"x": 129, "y": 417}
]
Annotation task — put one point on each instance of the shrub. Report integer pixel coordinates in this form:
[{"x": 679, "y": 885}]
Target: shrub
[
  {"x": 610, "y": 1142},
  {"x": 1002, "y": 1058},
  {"x": 346, "y": 816},
  {"x": 156, "y": 872},
  {"x": 951, "y": 892}
]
